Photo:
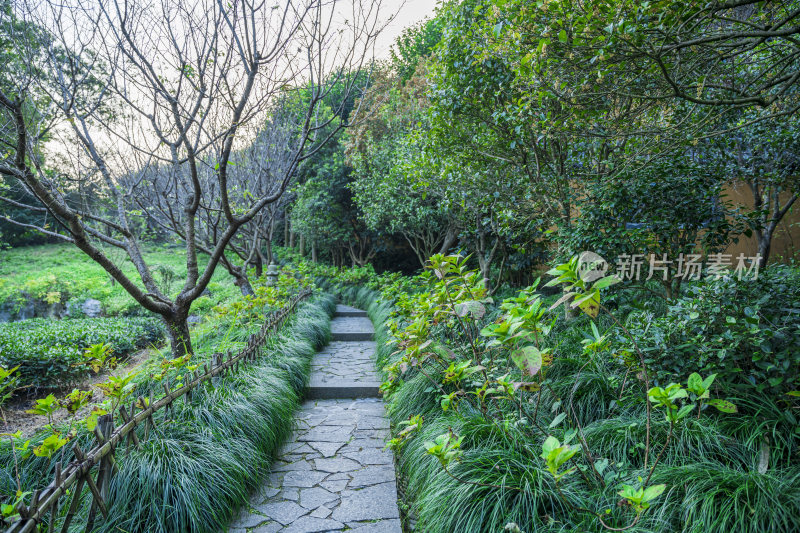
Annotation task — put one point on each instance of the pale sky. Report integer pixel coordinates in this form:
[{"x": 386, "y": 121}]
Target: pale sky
[{"x": 408, "y": 13}]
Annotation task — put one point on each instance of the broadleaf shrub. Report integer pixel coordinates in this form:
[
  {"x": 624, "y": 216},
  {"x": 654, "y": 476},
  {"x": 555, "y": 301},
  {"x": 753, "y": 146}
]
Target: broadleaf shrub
[{"x": 747, "y": 332}]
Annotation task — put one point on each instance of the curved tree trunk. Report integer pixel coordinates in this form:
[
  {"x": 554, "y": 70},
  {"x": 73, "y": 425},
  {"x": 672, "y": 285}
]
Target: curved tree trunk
[
  {"x": 449, "y": 240},
  {"x": 243, "y": 283},
  {"x": 239, "y": 277}
]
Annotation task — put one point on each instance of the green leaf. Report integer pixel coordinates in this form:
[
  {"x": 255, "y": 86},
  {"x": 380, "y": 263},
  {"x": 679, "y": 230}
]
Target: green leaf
[
  {"x": 723, "y": 405},
  {"x": 557, "y": 420},
  {"x": 685, "y": 410},
  {"x": 564, "y": 298},
  {"x": 695, "y": 383},
  {"x": 607, "y": 281},
  {"x": 562, "y": 36},
  {"x": 589, "y": 303},
  {"x": 476, "y": 309},
  {"x": 652, "y": 492},
  {"x": 498, "y": 29},
  {"x": 528, "y": 359},
  {"x": 550, "y": 444}
]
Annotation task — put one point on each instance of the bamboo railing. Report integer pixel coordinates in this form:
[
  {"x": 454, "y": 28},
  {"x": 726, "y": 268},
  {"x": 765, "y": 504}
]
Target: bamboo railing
[{"x": 79, "y": 472}]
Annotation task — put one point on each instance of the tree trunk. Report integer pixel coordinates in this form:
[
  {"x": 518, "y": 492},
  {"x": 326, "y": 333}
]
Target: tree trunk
[
  {"x": 291, "y": 239},
  {"x": 485, "y": 267},
  {"x": 569, "y": 311},
  {"x": 314, "y": 251},
  {"x": 268, "y": 246},
  {"x": 243, "y": 283},
  {"x": 764, "y": 246},
  {"x": 239, "y": 277},
  {"x": 259, "y": 263},
  {"x": 180, "y": 341},
  {"x": 449, "y": 240},
  {"x": 286, "y": 229}
]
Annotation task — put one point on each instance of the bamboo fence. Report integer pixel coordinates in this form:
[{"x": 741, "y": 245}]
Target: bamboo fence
[{"x": 79, "y": 472}]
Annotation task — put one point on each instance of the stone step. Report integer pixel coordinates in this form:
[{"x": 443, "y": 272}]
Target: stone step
[
  {"x": 342, "y": 390},
  {"x": 351, "y": 328},
  {"x": 347, "y": 311},
  {"x": 351, "y": 335}
]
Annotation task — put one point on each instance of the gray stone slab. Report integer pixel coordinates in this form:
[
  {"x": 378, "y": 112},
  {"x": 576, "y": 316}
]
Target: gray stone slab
[
  {"x": 373, "y": 422},
  {"x": 288, "y": 493},
  {"x": 320, "y": 512},
  {"x": 320, "y": 434},
  {"x": 316, "y": 496},
  {"x": 371, "y": 456},
  {"x": 343, "y": 389},
  {"x": 335, "y": 485},
  {"x": 327, "y": 449},
  {"x": 283, "y": 512},
  {"x": 344, "y": 324},
  {"x": 310, "y": 524},
  {"x": 351, "y": 336},
  {"x": 303, "y": 478},
  {"x": 336, "y": 465},
  {"x": 383, "y": 526},
  {"x": 378, "y": 502},
  {"x": 372, "y": 475},
  {"x": 302, "y": 464},
  {"x": 346, "y": 310},
  {"x": 272, "y": 527},
  {"x": 262, "y": 494},
  {"x": 247, "y": 519}
]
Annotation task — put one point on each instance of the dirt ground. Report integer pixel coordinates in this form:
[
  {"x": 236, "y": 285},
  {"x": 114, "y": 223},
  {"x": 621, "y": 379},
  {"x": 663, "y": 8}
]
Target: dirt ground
[{"x": 16, "y": 419}]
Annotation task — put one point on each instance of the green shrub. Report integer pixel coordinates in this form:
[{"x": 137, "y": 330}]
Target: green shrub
[
  {"x": 202, "y": 305},
  {"x": 47, "y": 350},
  {"x": 747, "y": 332}
]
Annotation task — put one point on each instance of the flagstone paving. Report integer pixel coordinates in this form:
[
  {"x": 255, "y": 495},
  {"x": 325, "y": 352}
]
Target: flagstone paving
[{"x": 334, "y": 473}]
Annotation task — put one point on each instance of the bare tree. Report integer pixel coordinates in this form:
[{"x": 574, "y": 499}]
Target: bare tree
[
  {"x": 256, "y": 171},
  {"x": 182, "y": 80}
]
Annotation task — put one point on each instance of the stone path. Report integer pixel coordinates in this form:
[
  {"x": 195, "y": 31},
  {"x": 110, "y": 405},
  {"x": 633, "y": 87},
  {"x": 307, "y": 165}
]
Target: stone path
[
  {"x": 344, "y": 369},
  {"x": 334, "y": 474}
]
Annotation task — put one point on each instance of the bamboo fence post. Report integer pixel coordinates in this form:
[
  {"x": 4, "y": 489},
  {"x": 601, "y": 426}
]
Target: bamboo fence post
[
  {"x": 54, "y": 514},
  {"x": 215, "y": 362},
  {"x": 73, "y": 507}
]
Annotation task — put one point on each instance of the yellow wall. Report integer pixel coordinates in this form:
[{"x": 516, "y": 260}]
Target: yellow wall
[{"x": 785, "y": 240}]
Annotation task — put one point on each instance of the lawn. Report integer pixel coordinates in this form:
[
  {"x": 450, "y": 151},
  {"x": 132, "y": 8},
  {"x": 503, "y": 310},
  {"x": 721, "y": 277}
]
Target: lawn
[{"x": 60, "y": 273}]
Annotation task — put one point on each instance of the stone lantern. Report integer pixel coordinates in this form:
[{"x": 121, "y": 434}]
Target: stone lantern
[{"x": 272, "y": 274}]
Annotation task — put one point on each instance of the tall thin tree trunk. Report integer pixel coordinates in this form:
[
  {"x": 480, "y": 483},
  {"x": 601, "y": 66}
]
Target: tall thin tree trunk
[
  {"x": 259, "y": 263},
  {"x": 764, "y": 247},
  {"x": 268, "y": 248},
  {"x": 314, "y": 251},
  {"x": 302, "y": 245}
]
